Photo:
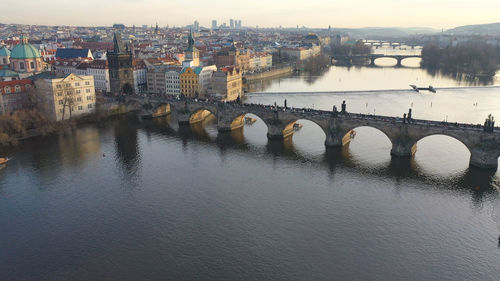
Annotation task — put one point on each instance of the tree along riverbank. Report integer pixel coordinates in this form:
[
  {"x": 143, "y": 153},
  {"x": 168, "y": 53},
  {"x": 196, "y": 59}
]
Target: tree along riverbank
[
  {"x": 24, "y": 124},
  {"x": 474, "y": 59}
]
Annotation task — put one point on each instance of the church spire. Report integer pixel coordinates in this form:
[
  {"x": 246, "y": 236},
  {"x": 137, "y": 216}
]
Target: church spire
[
  {"x": 118, "y": 46},
  {"x": 190, "y": 40}
]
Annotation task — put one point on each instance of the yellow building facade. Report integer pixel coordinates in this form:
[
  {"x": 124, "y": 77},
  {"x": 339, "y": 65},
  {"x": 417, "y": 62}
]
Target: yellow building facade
[{"x": 189, "y": 83}]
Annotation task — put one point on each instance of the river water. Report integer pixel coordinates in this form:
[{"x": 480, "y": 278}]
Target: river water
[{"x": 132, "y": 199}]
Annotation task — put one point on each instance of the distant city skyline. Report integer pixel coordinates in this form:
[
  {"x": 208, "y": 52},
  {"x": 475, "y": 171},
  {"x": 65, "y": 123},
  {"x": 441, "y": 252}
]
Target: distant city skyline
[{"x": 287, "y": 13}]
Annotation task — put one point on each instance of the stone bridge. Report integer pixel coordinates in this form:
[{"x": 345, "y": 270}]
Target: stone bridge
[
  {"x": 372, "y": 57},
  {"x": 483, "y": 146}
]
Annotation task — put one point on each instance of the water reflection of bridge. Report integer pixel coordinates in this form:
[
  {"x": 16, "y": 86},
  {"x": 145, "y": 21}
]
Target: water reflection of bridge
[
  {"x": 349, "y": 59},
  {"x": 483, "y": 146}
]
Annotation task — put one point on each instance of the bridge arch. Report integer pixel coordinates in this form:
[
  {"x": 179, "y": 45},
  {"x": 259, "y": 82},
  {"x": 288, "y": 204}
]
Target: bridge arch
[
  {"x": 162, "y": 109},
  {"x": 445, "y": 134},
  {"x": 374, "y": 129},
  {"x": 237, "y": 120},
  {"x": 290, "y": 128},
  {"x": 254, "y": 131},
  {"x": 368, "y": 145},
  {"x": 442, "y": 153},
  {"x": 200, "y": 113},
  {"x": 398, "y": 58}
]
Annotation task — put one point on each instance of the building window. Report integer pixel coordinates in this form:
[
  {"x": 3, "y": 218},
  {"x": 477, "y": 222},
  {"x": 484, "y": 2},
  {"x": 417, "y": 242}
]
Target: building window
[
  {"x": 58, "y": 86},
  {"x": 59, "y": 94},
  {"x": 89, "y": 97},
  {"x": 78, "y": 99},
  {"x": 89, "y": 105},
  {"x": 32, "y": 65},
  {"x": 77, "y": 91},
  {"x": 87, "y": 83},
  {"x": 68, "y": 93},
  {"x": 87, "y": 90},
  {"x": 61, "y": 102},
  {"x": 80, "y": 107},
  {"x": 17, "y": 88},
  {"x": 21, "y": 65},
  {"x": 68, "y": 84},
  {"x": 77, "y": 84}
]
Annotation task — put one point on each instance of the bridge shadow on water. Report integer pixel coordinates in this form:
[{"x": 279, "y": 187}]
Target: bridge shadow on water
[{"x": 477, "y": 182}]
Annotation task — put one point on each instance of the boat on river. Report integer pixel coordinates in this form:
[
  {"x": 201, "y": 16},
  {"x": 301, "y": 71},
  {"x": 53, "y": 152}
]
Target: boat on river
[
  {"x": 297, "y": 126},
  {"x": 250, "y": 120},
  {"x": 417, "y": 89},
  {"x": 4, "y": 161}
]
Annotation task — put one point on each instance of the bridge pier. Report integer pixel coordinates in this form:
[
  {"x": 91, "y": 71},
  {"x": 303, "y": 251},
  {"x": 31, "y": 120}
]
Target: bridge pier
[
  {"x": 399, "y": 64},
  {"x": 226, "y": 125},
  {"x": 372, "y": 61},
  {"x": 403, "y": 148},
  {"x": 183, "y": 118},
  {"x": 333, "y": 140},
  {"x": 484, "y": 158},
  {"x": 278, "y": 132}
]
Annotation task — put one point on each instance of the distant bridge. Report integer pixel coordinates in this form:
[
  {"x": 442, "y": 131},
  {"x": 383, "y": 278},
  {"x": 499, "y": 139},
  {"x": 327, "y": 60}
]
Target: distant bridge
[
  {"x": 380, "y": 43},
  {"x": 372, "y": 57},
  {"x": 337, "y": 126}
]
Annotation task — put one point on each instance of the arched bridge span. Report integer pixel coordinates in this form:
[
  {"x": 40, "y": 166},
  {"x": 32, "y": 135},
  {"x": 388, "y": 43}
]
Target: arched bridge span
[{"x": 483, "y": 145}]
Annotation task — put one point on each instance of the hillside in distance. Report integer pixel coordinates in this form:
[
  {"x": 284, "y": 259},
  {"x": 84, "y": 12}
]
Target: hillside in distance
[{"x": 476, "y": 29}]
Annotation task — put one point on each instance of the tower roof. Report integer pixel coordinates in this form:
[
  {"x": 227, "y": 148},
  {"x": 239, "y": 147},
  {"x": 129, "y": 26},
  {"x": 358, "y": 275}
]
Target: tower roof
[
  {"x": 118, "y": 46},
  {"x": 4, "y": 52},
  {"x": 191, "y": 46},
  {"x": 6, "y": 72}
]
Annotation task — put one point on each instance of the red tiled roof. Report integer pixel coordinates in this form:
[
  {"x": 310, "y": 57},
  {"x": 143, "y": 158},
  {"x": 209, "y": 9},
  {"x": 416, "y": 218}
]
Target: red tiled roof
[{"x": 16, "y": 82}]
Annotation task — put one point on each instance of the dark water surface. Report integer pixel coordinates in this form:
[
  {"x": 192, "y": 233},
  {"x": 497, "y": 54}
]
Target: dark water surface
[
  {"x": 190, "y": 204},
  {"x": 131, "y": 199}
]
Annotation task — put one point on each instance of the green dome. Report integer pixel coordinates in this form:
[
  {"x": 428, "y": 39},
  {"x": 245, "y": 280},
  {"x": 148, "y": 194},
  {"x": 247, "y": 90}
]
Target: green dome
[
  {"x": 6, "y": 72},
  {"x": 24, "y": 50},
  {"x": 4, "y": 52}
]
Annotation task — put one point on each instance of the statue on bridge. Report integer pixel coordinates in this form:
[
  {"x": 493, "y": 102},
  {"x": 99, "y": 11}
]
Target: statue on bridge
[
  {"x": 335, "y": 111},
  {"x": 343, "y": 110},
  {"x": 489, "y": 124}
]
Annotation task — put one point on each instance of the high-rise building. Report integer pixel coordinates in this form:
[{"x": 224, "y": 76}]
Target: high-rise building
[
  {"x": 214, "y": 24},
  {"x": 196, "y": 26},
  {"x": 231, "y": 23},
  {"x": 121, "y": 72}
]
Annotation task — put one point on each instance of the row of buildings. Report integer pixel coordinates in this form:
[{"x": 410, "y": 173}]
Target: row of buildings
[
  {"x": 26, "y": 82},
  {"x": 147, "y": 60}
]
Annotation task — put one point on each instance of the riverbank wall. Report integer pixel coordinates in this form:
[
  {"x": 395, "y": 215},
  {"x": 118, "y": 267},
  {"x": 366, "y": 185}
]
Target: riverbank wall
[{"x": 268, "y": 74}]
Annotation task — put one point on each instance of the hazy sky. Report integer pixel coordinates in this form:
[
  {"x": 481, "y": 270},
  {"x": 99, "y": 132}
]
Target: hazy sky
[{"x": 265, "y": 13}]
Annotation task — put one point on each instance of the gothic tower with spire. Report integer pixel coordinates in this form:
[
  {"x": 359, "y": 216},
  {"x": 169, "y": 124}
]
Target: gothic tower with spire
[
  {"x": 121, "y": 71},
  {"x": 191, "y": 55}
]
